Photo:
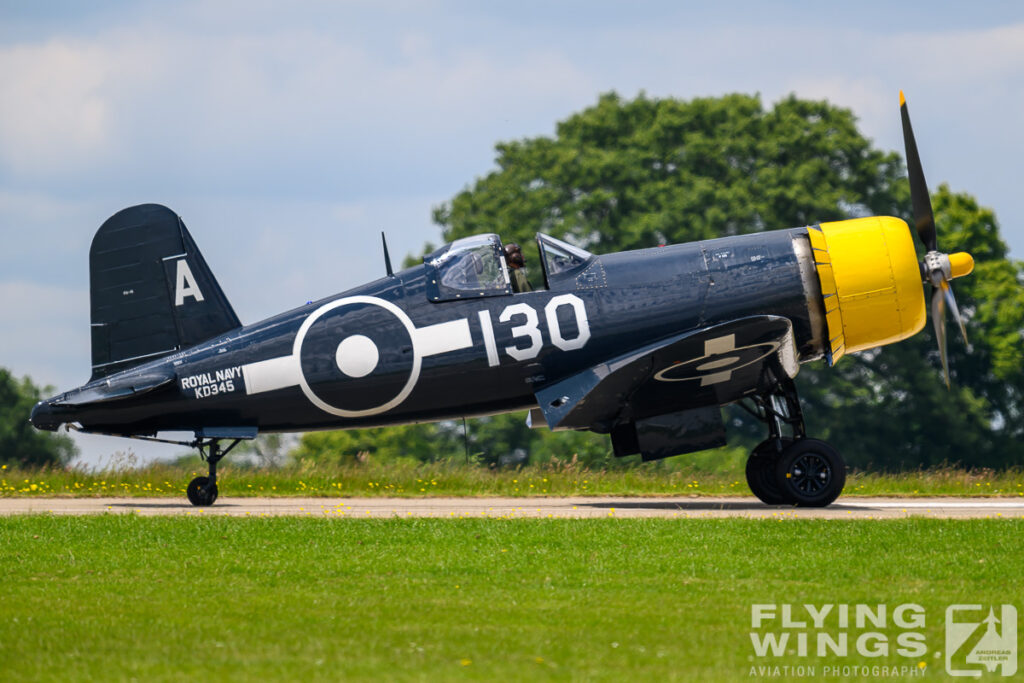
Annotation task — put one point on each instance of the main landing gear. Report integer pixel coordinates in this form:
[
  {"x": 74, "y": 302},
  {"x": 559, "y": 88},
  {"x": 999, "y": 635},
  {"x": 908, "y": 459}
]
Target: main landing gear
[
  {"x": 791, "y": 469},
  {"x": 202, "y": 491}
]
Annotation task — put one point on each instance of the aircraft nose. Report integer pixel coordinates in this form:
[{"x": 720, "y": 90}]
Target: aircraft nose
[{"x": 43, "y": 417}]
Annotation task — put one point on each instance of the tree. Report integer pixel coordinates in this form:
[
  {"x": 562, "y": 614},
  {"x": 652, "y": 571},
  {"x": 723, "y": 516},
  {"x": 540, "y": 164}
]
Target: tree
[
  {"x": 638, "y": 173},
  {"x": 266, "y": 450},
  {"x": 20, "y": 442},
  {"x": 626, "y": 174},
  {"x": 418, "y": 442}
]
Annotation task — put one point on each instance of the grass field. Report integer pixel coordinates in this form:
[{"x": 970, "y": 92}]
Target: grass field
[
  {"x": 124, "y": 597},
  {"x": 309, "y": 478}
]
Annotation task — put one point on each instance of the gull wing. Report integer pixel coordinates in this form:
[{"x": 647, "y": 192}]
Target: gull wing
[{"x": 710, "y": 366}]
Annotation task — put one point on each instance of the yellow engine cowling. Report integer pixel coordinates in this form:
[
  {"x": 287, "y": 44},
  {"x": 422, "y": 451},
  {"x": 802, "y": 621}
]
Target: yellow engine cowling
[{"x": 870, "y": 283}]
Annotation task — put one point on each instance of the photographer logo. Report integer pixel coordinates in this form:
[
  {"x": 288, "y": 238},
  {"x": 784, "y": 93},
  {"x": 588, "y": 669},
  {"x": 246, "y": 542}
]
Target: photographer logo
[{"x": 979, "y": 640}]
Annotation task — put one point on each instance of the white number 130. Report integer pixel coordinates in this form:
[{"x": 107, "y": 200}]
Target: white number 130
[{"x": 530, "y": 331}]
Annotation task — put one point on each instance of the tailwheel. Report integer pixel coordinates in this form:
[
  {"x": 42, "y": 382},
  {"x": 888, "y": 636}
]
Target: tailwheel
[
  {"x": 761, "y": 467},
  {"x": 201, "y": 491},
  {"x": 810, "y": 473}
]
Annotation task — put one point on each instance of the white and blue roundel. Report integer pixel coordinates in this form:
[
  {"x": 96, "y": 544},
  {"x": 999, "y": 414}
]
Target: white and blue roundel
[
  {"x": 348, "y": 373},
  {"x": 357, "y": 356}
]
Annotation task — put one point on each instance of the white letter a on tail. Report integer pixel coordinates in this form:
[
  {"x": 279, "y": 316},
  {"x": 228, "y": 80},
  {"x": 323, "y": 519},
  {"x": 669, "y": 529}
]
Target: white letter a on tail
[{"x": 185, "y": 284}]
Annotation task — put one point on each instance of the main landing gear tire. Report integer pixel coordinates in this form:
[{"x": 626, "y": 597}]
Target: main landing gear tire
[
  {"x": 761, "y": 467},
  {"x": 201, "y": 492},
  {"x": 810, "y": 473}
]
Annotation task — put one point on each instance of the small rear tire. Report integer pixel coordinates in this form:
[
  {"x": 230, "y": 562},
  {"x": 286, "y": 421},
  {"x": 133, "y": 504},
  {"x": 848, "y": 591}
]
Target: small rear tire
[
  {"x": 761, "y": 478},
  {"x": 811, "y": 473},
  {"x": 201, "y": 492}
]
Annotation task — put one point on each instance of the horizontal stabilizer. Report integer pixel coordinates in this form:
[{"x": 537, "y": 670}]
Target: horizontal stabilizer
[{"x": 120, "y": 388}]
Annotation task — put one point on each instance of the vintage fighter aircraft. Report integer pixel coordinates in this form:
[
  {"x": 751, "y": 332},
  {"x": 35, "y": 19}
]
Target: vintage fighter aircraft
[{"x": 642, "y": 345}]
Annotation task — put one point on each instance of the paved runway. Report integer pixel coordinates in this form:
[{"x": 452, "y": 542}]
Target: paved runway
[{"x": 575, "y": 507}]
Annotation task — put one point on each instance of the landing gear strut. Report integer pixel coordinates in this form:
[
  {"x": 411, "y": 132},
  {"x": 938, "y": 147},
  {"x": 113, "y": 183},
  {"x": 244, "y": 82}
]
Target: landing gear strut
[
  {"x": 788, "y": 468},
  {"x": 202, "y": 491}
]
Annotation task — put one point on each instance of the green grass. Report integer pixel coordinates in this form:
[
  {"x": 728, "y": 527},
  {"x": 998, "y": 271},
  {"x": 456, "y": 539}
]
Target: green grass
[
  {"x": 125, "y": 597},
  {"x": 454, "y": 478}
]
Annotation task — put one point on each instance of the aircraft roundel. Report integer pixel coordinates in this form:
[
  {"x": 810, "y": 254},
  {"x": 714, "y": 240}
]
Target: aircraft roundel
[
  {"x": 357, "y": 356},
  {"x": 722, "y": 356}
]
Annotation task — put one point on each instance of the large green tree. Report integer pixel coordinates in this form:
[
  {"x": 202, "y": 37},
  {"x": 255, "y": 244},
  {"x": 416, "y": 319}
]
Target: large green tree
[
  {"x": 20, "y": 442},
  {"x": 638, "y": 173},
  {"x": 626, "y": 174}
]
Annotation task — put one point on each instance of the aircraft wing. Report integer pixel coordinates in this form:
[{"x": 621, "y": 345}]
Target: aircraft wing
[{"x": 710, "y": 366}]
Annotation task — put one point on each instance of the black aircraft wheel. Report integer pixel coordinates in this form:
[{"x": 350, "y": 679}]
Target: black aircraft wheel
[
  {"x": 761, "y": 466},
  {"x": 200, "y": 492},
  {"x": 811, "y": 473}
]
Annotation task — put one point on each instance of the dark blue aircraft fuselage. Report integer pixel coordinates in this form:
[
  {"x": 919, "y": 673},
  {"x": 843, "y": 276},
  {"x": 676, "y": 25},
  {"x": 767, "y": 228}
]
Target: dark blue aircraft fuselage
[{"x": 384, "y": 353}]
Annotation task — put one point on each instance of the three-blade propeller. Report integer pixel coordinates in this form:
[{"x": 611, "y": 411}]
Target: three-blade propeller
[{"x": 937, "y": 268}]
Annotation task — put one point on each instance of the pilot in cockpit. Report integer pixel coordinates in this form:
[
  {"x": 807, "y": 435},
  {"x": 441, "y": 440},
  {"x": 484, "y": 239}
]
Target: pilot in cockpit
[{"x": 517, "y": 268}]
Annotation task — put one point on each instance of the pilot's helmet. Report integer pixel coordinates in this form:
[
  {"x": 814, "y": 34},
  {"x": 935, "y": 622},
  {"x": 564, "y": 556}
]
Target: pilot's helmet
[{"x": 514, "y": 255}]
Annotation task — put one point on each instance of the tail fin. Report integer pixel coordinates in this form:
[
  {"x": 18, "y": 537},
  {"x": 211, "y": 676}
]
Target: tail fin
[{"x": 151, "y": 290}]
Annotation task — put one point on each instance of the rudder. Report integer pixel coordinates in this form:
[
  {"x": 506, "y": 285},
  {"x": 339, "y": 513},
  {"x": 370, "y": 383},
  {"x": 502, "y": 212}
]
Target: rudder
[{"x": 151, "y": 292}]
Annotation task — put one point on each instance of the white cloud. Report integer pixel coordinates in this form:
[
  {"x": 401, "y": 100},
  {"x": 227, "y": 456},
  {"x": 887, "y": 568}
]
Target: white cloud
[
  {"x": 45, "y": 333},
  {"x": 294, "y": 251},
  {"x": 964, "y": 56},
  {"x": 165, "y": 102},
  {"x": 53, "y": 108}
]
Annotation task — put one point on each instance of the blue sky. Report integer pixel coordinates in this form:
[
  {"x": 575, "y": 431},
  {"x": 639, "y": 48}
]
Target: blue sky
[{"x": 289, "y": 134}]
